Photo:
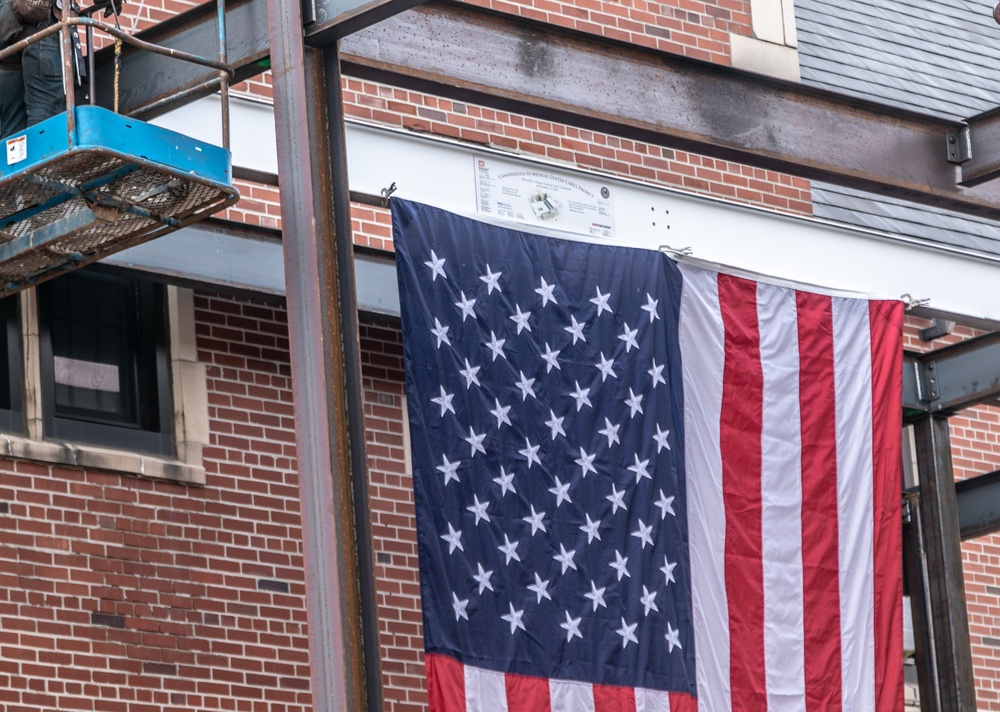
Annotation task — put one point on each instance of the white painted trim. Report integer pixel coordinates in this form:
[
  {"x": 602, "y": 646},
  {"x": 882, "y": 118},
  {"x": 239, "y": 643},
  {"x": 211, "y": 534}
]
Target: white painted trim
[{"x": 773, "y": 60}]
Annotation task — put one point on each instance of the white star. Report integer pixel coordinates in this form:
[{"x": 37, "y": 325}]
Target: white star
[
  {"x": 601, "y": 300},
  {"x": 449, "y": 469},
  {"x": 550, "y": 359},
  {"x": 469, "y": 373},
  {"x": 441, "y": 332},
  {"x": 479, "y": 509},
  {"x": 565, "y": 558},
  {"x": 492, "y": 280},
  {"x": 459, "y": 607},
  {"x": 644, "y": 534},
  {"x": 610, "y": 432},
  {"x": 668, "y": 570},
  {"x": 617, "y": 499},
  {"x": 540, "y": 588},
  {"x": 648, "y": 600},
  {"x": 525, "y": 386},
  {"x": 591, "y": 529},
  {"x": 521, "y": 319},
  {"x": 651, "y": 308},
  {"x": 535, "y": 520},
  {"x": 500, "y": 413},
  {"x": 495, "y": 345},
  {"x": 509, "y": 549},
  {"x": 483, "y": 579},
  {"x": 475, "y": 442},
  {"x": 661, "y": 439},
  {"x": 634, "y": 403},
  {"x": 466, "y": 305},
  {"x": 627, "y": 632},
  {"x": 514, "y": 618},
  {"x": 444, "y": 400},
  {"x": 531, "y": 452},
  {"x": 639, "y": 468},
  {"x": 545, "y": 292},
  {"x": 506, "y": 483},
  {"x": 555, "y": 425},
  {"x": 454, "y": 539},
  {"x": 581, "y": 395},
  {"x": 673, "y": 638},
  {"x": 587, "y": 463},
  {"x": 656, "y": 373},
  {"x": 596, "y": 595},
  {"x": 561, "y": 491},
  {"x": 572, "y": 627},
  {"x": 628, "y": 336},
  {"x": 576, "y": 329},
  {"x": 619, "y": 564},
  {"x": 666, "y": 505},
  {"x": 606, "y": 367},
  {"x": 437, "y": 266}
]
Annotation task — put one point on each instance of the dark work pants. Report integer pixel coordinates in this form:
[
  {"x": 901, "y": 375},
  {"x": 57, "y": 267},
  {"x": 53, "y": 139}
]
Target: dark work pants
[{"x": 32, "y": 92}]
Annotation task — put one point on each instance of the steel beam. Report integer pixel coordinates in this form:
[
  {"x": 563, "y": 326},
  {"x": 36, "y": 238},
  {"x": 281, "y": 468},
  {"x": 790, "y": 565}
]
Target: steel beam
[
  {"x": 329, "y": 20},
  {"x": 917, "y": 585},
  {"x": 945, "y": 582},
  {"x": 980, "y": 155},
  {"x": 151, "y": 85},
  {"x": 322, "y": 314},
  {"x": 651, "y": 96},
  {"x": 978, "y": 500},
  {"x": 952, "y": 378}
]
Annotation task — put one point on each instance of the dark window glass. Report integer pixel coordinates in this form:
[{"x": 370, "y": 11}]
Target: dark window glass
[
  {"x": 104, "y": 361},
  {"x": 11, "y": 371}
]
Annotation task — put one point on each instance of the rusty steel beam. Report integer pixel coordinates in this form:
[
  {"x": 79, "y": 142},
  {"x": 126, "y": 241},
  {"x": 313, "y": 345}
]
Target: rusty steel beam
[
  {"x": 322, "y": 316},
  {"x": 651, "y": 96}
]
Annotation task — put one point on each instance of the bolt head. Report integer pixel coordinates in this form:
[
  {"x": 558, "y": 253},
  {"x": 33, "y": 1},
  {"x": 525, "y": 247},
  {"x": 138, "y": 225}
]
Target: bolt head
[{"x": 996, "y": 13}]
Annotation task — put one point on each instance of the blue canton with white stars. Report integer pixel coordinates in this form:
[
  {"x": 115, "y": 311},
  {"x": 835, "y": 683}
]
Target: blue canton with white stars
[{"x": 546, "y": 416}]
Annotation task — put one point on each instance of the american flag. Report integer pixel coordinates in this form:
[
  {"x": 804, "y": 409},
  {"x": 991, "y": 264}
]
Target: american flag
[{"x": 643, "y": 485}]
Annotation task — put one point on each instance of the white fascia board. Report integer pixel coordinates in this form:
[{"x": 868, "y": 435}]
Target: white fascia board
[{"x": 960, "y": 283}]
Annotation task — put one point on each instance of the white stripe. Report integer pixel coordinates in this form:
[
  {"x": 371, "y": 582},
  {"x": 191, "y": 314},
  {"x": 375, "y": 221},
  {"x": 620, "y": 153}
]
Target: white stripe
[
  {"x": 853, "y": 385},
  {"x": 571, "y": 696},
  {"x": 485, "y": 690},
  {"x": 781, "y": 499},
  {"x": 702, "y": 343},
  {"x": 651, "y": 701}
]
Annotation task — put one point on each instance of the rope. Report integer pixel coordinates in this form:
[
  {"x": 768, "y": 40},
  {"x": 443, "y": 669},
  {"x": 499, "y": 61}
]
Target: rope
[{"x": 118, "y": 69}]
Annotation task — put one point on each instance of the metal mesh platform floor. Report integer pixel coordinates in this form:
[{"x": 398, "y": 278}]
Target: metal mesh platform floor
[{"x": 70, "y": 207}]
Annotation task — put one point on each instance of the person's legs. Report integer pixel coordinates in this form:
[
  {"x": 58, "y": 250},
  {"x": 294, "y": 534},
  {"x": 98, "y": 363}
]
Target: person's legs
[
  {"x": 41, "y": 64},
  {"x": 13, "y": 115}
]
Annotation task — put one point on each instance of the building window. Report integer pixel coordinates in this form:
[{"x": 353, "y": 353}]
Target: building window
[
  {"x": 104, "y": 362},
  {"x": 11, "y": 384}
]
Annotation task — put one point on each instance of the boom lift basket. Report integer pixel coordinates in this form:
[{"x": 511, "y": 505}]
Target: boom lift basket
[{"x": 89, "y": 182}]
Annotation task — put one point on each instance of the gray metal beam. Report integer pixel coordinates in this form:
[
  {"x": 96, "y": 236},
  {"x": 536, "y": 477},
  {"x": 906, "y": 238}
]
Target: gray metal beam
[
  {"x": 978, "y": 505},
  {"x": 151, "y": 85},
  {"x": 322, "y": 325},
  {"x": 952, "y": 378},
  {"x": 329, "y": 20},
  {"x": 652, "y": 96},
  {"x": 945, "y": 587},
  {"x": 981, "y": 141}
]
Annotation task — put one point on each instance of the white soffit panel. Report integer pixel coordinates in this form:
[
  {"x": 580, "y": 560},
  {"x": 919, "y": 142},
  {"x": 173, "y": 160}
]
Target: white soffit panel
[{"x": 440, "y": 172}]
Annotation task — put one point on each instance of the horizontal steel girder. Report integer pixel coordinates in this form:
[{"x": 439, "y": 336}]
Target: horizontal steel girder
[
  {"x": 978, "y": 505},
  {"x": 952, "y": 378},
  {"x": 512, "y": 64}
]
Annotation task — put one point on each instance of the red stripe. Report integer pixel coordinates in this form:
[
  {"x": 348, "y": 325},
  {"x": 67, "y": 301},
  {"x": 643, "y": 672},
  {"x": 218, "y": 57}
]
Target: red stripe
[
  {"x": 613, "y": 699},
  {"x": 886, "y": 320},
  {"x": 740, "y": 433},
  {"x": 681, "y": 702},
  {"x": 527, "y": 694},
  {"x": 445, "y": 683},
  {"x": 820, "y": 540}
]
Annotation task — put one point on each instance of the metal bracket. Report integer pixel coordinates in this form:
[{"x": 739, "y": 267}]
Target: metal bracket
[
  {"x": 959, "y": 145},
  {"x": 941, "y": 327}
]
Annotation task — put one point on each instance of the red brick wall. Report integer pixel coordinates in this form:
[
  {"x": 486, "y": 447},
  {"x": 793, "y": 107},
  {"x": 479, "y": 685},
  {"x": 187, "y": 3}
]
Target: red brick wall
[{"x": 119, "y": 594}]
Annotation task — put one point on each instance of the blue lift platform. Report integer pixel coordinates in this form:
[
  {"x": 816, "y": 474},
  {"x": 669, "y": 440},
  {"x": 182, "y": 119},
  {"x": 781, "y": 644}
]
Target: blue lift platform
[{"x": 89, "y": 182}]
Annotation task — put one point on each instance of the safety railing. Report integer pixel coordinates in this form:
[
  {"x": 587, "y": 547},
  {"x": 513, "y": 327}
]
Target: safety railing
[{"x": 71, "y": 20}]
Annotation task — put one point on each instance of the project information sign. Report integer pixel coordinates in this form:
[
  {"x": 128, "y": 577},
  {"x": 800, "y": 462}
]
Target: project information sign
[{"x": 526, "y": 194}]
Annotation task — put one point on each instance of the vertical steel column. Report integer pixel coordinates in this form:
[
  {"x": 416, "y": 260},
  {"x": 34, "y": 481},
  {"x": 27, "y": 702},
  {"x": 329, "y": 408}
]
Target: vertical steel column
[
  {"x": 945, "y": 582},
  {"x": 915, "y": 566},
  {"x": 321, "y": 310}
]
